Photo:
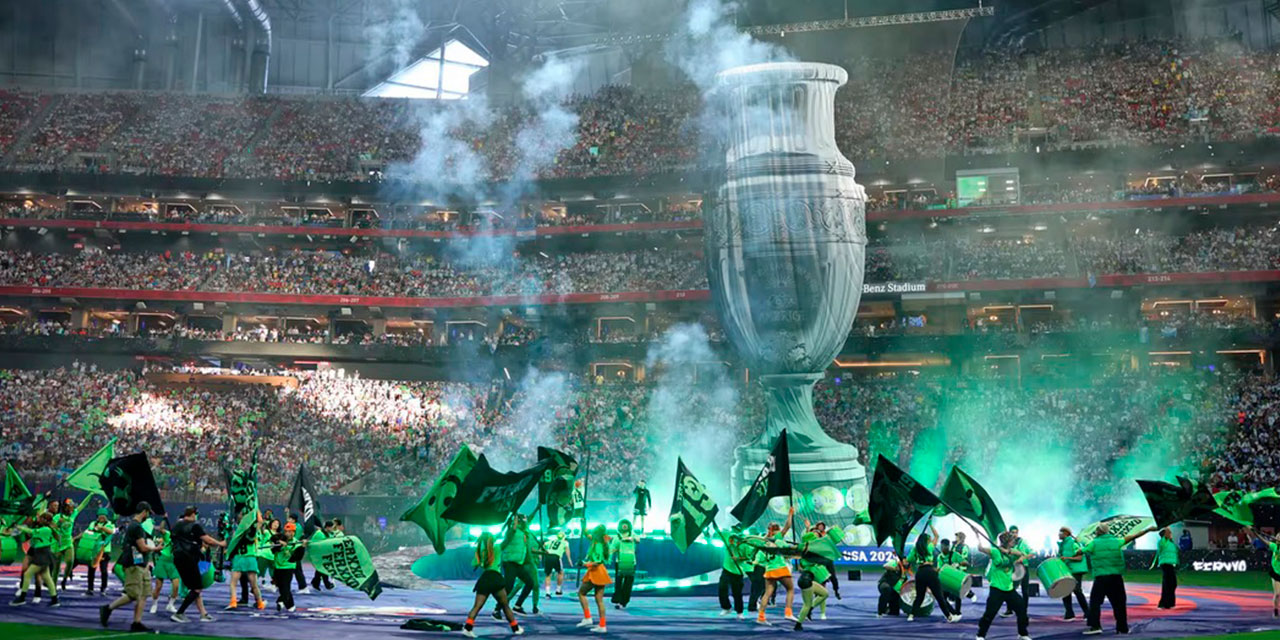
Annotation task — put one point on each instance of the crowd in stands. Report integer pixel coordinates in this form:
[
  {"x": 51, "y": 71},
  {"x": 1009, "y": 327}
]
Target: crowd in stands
[
  {"x": 1154, "y": 92},
  {"x": 393, "y": 437}
]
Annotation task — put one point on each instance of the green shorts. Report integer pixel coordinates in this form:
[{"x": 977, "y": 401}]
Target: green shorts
[
  {"x": 244, "y": 564},
  {"x": 164, "y": 570}
]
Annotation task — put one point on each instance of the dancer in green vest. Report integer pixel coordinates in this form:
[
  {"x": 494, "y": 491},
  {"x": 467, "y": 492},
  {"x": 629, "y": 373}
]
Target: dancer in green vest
[
  {"x": 623, "y": 549},
  {"x": 1070, "y": 552},
  {"x": 737, "y": 554},
  {"x": 65, "y": 550},
  {"x": 1273, "y": 568},
  {"x": 1167, "y": 560},
  {"x": 164, "y": 569},
  {"x": 1106, "y": 557}
]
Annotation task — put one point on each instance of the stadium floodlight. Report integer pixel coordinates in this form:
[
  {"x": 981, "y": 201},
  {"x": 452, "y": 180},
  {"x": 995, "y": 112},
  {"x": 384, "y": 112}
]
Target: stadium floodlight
[{"x": 810, "y": 26}]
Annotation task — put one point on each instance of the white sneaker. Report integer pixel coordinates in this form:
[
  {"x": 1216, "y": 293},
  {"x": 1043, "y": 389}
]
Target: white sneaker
[
  {"x": 178, "y": 618},
  {"x": 822, "y": 616},
  {"x": 36, "y": 599},
  {"x": 742, "y": 617},
  {"x": 1092, "y": 632},
  {"x": 468, "y": 633},
  {"x": 518, "y": 632},
  {"x": 764, "y": 622},
  {"x": 599, "y": 630},
  {"x": 306, "y": 591},
  {"x": 979, "y": 638},
  {"x": 1024, "y": 637},
  {"x": 911, "y": 617},
  {"x": 586, "y": 622},
  {"x": 791, "y": 618},
  {"x": 206, "y": 618},
  {"x": 292, "y": 609},
  {"x": 154, "y": 606},
  {"x": 725, "y": 612},
  {"x": 170, "y": 608},
  {"x": 955, "y": 617}
]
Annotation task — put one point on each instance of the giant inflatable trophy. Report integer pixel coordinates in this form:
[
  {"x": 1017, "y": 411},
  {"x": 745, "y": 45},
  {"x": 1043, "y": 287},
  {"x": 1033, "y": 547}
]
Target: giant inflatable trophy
[{"x": 786, "y": 238}]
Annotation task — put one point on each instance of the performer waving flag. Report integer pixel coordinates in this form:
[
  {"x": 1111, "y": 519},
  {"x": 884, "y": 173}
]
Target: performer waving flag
[{"x": 773, "y": 481}]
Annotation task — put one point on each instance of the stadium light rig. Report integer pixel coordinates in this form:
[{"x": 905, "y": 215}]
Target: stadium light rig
[{"x": 922, "y": 17}]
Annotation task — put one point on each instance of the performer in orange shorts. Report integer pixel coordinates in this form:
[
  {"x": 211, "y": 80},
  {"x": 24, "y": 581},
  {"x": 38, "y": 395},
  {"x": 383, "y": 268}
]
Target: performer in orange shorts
[
  {"x": 777, "y": 570},
  {"x": 597, "y": 578}
]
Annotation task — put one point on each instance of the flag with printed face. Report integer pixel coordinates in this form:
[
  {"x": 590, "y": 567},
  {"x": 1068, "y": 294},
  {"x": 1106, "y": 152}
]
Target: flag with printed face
[{"x": 428, "y": 513}]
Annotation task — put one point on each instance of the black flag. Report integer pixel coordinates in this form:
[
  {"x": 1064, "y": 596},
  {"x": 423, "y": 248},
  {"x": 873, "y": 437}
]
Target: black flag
[
  {"x": 488, "y": 497},
  {"x": 692, "y": 508},
  {"x": 303, "y": 502},
  {"x": 774, "y": 480},
  {"x": 555, "y": 488},
  {"x": 128, "y": 480},
  {"x": 1173, "y": 503},
  {"x": 897, "y": 503}
]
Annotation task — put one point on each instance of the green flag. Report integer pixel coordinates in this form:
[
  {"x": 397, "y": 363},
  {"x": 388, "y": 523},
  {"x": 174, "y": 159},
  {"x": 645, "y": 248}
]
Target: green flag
[
  {"x": 428, "y": 513},
  {"x": 896, "y": 503},
  {"x": 1119, "y": 526},
  {"x": 1171, "y": 503},
  {"x": 1237, "y": 505},
  {"x": 692, "y": 508},
  {"x": 555, "y": 489},
  {"x": 489, "y": 497},
  {"x": 347, "y": 560},
  {"x": 88, "y": 476},
  {"x": 17, "y": 499},
  {"x": 963, "y": 496},
  {"x": 243, "y": 528}
]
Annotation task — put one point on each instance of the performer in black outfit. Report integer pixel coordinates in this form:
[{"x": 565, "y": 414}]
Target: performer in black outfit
[
  {"x": 890, "y": 602},
  {"x": 922, "y": 558},
  {"x": 643, "y": 502},
  {"x": 188, "y": 540}
]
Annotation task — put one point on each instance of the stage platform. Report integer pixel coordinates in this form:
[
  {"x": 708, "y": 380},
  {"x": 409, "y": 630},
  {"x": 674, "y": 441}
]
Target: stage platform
[{"x": 344, "y": 614}]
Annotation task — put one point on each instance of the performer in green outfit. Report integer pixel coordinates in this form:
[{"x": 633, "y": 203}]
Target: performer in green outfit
[
  {"x": 164, "y": 569},
  {"x": 1000, "y": 574},
  {"x": 285, "y": 554},
  {"x": 1106, "y": 557},
  {"x": 949, "y": 557},
  {"x": 65, "y": 549},
  {"x": 736, "y": 563},
  {"x": 488, "y": 558},
  {"x": 921, "y": 560},
  {"x": 43, "y": 566},
  {"x": 1167, "y": 559},
  {"x": 1273, "y": 569},
  {"x": 105, "y": 530},
  {"x": 1070, "y": 552},
  {"x": 890, "y": 602},
  {"x": 516, "y": 548},
  {"x": 1025, "y": 583},
  {"x": 821, "y": 547},
  {"x": 623, "y": 550},
  {"x": 777, "y": 571},
  {"x": 244, "y": 561}
]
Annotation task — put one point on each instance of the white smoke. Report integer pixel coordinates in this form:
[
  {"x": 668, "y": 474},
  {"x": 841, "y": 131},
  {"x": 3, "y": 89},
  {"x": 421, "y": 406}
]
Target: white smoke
[
  {"x": 531, "y": 421},
  {"x": 398, "y": 33}
]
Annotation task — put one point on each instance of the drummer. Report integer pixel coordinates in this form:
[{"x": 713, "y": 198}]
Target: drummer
[
  {"x": 1022, "y": 577},
  {"x": 890, "y": 600},
  {"x": 1000, "y": 572},
  {"x": 949, "y": 557},
  {"x": 1070, "y": 552},
  {"x": 960, "y": 550}
]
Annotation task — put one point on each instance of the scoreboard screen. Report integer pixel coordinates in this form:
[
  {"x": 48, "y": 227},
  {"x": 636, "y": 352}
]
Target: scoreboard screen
[{"x": 988, "y": 187}]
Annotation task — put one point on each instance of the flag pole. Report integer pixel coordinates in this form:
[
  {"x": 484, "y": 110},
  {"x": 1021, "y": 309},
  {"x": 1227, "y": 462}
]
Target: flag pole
[
  {"x": 586, "y": 487},
  {"x": 728, "y": 546}
]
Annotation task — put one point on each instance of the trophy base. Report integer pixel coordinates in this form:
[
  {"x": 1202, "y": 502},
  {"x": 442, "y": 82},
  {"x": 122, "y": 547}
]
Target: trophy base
[{"x": 828, "y": 484}]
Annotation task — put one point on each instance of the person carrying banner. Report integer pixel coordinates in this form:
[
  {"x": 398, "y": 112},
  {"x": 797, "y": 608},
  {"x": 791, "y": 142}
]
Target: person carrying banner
[
  {"x": 755, "y": 573},
  {"x": 1025, "y": 583},
  {"x": 1167, "y": 559},
  {"x": 623, "y": 549},
  {"x": 1000, "y": 574},
  {"x": 164, "y": 569},
  {"x": 323, "y": 533},
  {"x": 135, "y": 557},
  {"x": 285, "y": 552},
  {"x": 736, "y": 562},
  {"x": 1106, "y": 557},
  {"x": 777, "y": 571},
  {"x": 488, "y": 558},
  {"x": 189, "y": 539},
  {"x": 1070, "y": 552},
  {"x": 65, "y": 550},
  {"x": 553, "y": 560},
  {"x": 921, "y": 560},
  {"x": 890, "y": 602},
  {"x": 105, "y": 530},
  {"x": 597, "y": 578},
  {"x": 828, "y": 542},
  {"x": 813, "y": 573},
  {"x": 644, "y": 500},
  {"x": 244, "y": 562},
  {"x": 1273, "y": 568},
  {"x": 42, "y": 564},
  {"x": 516, "y": 547}
]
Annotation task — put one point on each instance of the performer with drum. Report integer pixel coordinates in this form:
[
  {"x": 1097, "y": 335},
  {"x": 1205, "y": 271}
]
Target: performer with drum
[
  {"x": 1021, "y": 577},
  {"x": 956, "y": 566},
  {"x": 961, "y": 550},
  {"x": 890, "y": 601},
  {"x": 1069, "y": 551},
  {"x": 1000, "y": 573}
]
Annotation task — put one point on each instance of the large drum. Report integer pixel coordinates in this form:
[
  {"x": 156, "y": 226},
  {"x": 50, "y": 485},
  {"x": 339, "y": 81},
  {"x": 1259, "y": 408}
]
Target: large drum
[
  {"x": 955, "y": 582},
  {"x": 1055, "y": 578},
  {"x": 907, "y": 591},
  {"x": 206, "y": 578},
  {"x": 10, "y": 551},
  {"x": 87, "y": 549},
  {"x": 1019, "y": 572}
]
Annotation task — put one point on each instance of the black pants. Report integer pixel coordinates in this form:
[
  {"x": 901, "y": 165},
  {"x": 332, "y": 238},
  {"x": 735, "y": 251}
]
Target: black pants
[
  {"x": 954, "y": 600},
  {"x": 513, "y": 570},
  {"x": 890, "y": 602},
  {"x": 1110, "y": 588},
  {"x": 1168, "y": 586},
  {"x": 317, "y": 576},
  {"x": 833, "y": 580},
  {"x": 927, "y": 579},
  {"x": 245, "y": 587},
  {"x": 1012, "y": 601},
  {"x": 103, "y": 567},
  {"x": 302, "y": 579},
  {"x": 1025, "y": 585},
  {"x": 730, "y": 582},
  {"x": 757, "y": 587},
  {"x": 1068, "y": 610},
  {"x": 622, "y": 588},
  {"x": 283, "y": 580}
]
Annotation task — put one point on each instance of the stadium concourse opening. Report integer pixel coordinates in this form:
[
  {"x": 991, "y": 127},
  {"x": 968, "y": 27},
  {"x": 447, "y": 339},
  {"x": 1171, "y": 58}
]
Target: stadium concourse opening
[{"x": 391, "y": 318}]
